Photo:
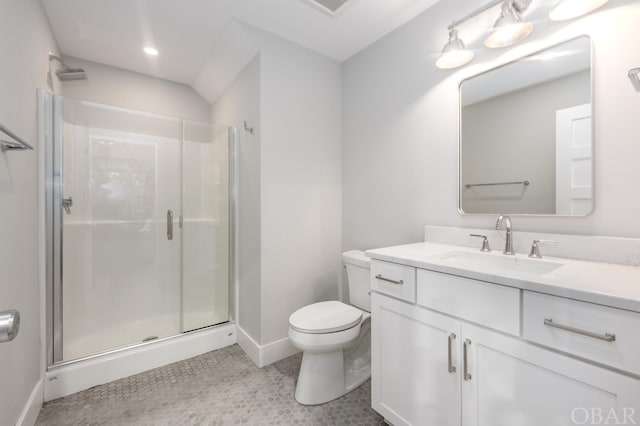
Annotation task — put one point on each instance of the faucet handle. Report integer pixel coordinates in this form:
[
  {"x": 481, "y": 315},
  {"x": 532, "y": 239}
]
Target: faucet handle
[
  {"x": 485, "y": 242},
  {"x": 535, "y": 247}
]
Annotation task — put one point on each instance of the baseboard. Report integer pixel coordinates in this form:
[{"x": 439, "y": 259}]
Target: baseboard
[
  {"x": 249, "y": 346},
  {"x": 75, "y": 377},
  {"x": 32, "y": 407},
  {"x": 275, "y": 351},
  {"x": 263, "y": 355}
]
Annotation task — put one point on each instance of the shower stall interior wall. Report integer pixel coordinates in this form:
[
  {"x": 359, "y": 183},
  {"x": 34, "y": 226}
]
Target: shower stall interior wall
[{"x": 138, "y": 227}]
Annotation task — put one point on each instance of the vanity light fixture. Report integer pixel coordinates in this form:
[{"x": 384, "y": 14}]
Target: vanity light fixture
[
  {"x": 151, "y": 51},
  {"x": 454, "y": 53},
  {"x": 569, "y": 9},
  {"x": 509, "y": 28}
]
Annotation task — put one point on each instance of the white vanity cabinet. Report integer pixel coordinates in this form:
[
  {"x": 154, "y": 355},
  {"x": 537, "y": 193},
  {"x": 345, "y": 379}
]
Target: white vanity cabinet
[
  {"x": 515, "y": 383},
  {"x": 456, "y": 356},
  {"x": 411, "y": 382}
]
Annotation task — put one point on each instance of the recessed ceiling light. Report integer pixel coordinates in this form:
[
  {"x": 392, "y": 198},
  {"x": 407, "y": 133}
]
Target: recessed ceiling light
[{"x": 151, "y": 51}]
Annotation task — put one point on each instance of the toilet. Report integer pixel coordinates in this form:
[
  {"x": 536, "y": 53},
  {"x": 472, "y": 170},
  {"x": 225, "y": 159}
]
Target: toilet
[{"x": 335, "y": 339}]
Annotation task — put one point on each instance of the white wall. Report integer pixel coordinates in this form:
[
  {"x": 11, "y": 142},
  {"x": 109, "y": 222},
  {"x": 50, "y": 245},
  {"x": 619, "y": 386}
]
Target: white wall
[
  {"x": 238, "y": 103},
  {"x": 299, "y": 132},
  {"x": 26, "y": 39},
  {"x": 401, "y": 125},
  {"x": 115, "y": 86},
  {"x": 300, "y": 136}
]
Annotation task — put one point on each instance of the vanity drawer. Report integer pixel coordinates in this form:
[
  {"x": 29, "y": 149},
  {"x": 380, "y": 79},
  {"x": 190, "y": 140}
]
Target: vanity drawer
[
  {"x": 394, "y": 280},
  {"x": 599, "y": 333},
  {"x": 490, "y": 305}
]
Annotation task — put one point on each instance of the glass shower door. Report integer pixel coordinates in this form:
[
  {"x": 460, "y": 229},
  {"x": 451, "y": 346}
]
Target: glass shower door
[
  {"x": 121, "y": 175},
  {"x": 205, "y": 259}
]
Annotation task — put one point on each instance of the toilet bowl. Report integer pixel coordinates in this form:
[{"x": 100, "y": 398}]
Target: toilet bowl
[{"x": 335, "y": 339}]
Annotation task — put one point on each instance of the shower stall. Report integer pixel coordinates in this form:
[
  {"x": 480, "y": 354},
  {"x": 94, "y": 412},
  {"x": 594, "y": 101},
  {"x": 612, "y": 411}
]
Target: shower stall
[{"x": 139, "y": 227}]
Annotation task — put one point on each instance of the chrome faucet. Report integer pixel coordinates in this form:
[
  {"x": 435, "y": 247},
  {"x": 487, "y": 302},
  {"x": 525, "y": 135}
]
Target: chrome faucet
[{"x": 508, "y": 243}]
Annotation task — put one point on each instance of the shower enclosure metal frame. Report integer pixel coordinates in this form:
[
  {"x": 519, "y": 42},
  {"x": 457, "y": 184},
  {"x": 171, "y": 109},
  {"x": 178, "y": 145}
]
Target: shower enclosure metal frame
[{"x": 52, "y": 108}]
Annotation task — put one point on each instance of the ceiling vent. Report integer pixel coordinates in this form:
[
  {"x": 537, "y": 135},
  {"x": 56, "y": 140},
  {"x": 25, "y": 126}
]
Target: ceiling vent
[{"x": 330, "y": 7}]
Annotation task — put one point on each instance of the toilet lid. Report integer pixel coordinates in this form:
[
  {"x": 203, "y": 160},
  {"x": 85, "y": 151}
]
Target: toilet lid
[{"x": 325, "y": 317}]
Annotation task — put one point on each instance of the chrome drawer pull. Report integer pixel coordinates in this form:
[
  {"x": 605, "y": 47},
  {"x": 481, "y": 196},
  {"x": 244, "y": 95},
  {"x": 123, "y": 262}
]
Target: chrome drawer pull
[
  {"x": 452, "y": 368},
  {"x": 465, "y": 355},
  {"x": 389, "y": 280},
  {"x": 607, "y": 337}
]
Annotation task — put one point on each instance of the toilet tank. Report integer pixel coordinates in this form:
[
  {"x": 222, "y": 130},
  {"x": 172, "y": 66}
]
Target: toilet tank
[{"x": 358, "y": 266}]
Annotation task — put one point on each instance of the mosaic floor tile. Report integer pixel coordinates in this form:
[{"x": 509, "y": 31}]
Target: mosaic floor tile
[{"x": 222, "y": 387}]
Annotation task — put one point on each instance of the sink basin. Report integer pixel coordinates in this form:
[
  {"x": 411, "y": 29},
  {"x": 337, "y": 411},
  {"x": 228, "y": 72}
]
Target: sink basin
[{"x": 493, "y": 263}]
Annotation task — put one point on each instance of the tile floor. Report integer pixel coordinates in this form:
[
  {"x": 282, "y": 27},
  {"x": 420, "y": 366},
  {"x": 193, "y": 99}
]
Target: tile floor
[{"x": 218, "y": 388}]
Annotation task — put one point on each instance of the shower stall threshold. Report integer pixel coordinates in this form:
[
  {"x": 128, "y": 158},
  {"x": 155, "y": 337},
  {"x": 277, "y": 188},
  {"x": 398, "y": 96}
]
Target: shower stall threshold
[{"x": 75, "y": 376}]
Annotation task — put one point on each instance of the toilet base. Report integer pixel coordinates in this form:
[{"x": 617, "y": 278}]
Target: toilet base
[
  {"x": 326, "y": 376},
  {"x": 321, "y": 378}
]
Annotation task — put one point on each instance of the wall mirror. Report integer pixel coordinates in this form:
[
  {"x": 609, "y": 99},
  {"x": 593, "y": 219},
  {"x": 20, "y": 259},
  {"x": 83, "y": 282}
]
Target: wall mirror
[{"x": 526, "y": 135}]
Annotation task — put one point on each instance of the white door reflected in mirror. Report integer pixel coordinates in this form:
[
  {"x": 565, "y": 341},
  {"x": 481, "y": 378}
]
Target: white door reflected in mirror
[{"x": 574, "y": 161}]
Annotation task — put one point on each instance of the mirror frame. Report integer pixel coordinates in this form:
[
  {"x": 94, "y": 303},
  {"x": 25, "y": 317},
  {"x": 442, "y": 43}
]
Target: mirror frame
[{"x": 593, "y": 138}]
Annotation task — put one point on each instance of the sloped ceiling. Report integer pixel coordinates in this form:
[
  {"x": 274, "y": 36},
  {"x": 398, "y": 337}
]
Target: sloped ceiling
[{"x": 200, "y": 41}]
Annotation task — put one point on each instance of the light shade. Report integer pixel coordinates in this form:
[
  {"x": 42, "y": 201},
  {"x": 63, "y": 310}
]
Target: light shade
[
  {"x": 454, "y": 53},
  {"x": 569, "y": 9},
  {"x": 508, "y": 29},
  {"x": 151, "y": 51}
]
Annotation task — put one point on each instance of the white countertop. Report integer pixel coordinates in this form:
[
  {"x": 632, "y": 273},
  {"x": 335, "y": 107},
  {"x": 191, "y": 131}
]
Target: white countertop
[{"x": 602, "y": 283}]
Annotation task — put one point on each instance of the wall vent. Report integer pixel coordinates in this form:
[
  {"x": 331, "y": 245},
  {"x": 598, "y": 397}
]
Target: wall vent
[{"x": 330, "y": 7}]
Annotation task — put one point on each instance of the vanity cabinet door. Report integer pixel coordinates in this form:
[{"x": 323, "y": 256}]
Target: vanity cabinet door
[
  {"x": 413, "y": 382},
  {"x": 511, "y": 382}
]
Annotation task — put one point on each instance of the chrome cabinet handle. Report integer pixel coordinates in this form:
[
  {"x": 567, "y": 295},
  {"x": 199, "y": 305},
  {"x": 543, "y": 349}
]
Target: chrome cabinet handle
[
  {"x": 451, "y": 367},
  {"x": 465, "y": 347},
  {"x": 389, "y": 280},
  {"x": 9, "y": 325},
  {"x": 607, "y": 337},
  {"x": 169, "y": 224}
]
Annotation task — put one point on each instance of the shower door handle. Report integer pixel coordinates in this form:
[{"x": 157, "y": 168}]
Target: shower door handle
[
  {"x": 66, "y": 204},
  {"x": 169, "y": 224}
]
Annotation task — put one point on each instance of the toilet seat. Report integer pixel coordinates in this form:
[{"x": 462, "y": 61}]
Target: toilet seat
[{"x": 325, "y": 317}]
